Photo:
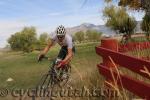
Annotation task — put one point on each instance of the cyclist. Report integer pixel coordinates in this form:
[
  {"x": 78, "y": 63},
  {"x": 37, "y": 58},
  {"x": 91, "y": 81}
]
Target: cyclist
[{"x": 67, "y": 46}]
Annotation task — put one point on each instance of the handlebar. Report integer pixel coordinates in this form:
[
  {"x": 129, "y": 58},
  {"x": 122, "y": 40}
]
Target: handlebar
[{"x": 47, "y": 58}]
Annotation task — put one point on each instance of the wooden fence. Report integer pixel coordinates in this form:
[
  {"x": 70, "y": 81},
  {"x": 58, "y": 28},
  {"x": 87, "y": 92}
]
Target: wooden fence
[{"x": 109, "y": 51}]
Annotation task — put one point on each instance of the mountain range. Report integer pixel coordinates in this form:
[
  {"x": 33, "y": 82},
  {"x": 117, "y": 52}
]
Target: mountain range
[{"x": 100, "y": 28}]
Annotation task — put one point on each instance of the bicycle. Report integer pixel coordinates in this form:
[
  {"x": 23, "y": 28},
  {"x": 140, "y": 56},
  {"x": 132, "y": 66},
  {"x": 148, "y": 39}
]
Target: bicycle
[{"x": 54, "y": 77}]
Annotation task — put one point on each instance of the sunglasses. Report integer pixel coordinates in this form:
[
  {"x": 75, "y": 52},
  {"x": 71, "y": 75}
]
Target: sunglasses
[{"x": 60, "y": 37}]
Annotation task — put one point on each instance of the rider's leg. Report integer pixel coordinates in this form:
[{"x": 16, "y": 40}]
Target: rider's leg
[
  {"x": 63, "y": 52},
  {"x": 69, "y": 62}
]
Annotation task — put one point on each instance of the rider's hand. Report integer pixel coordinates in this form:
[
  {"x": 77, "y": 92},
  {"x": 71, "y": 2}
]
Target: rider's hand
[
  {"x": 61, "y": 64},
  {"x": 40, "y": 57}
]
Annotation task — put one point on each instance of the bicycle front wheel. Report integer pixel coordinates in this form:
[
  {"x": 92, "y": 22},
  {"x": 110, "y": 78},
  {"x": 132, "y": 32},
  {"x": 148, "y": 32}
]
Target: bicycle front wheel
[{"x": 44, "y": 82}]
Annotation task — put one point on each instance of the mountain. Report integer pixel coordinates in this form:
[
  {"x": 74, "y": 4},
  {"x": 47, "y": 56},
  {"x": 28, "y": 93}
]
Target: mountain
[
  {"x": 87, "y": 26},
  {"x": 83, "y": 27},
  {"x": 100, "y": 28}
]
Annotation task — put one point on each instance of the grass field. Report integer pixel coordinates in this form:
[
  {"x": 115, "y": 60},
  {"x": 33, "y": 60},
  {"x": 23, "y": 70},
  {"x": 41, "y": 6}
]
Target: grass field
[{"x": 26, "y": 71}]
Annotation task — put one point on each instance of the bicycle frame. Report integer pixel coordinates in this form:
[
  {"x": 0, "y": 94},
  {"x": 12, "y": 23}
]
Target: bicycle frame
[{"x": 52, "y": 77}]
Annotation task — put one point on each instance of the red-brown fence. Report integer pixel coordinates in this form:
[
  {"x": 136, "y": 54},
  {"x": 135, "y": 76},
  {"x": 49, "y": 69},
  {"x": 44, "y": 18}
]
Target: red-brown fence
[{"x": 111, "y": 58}]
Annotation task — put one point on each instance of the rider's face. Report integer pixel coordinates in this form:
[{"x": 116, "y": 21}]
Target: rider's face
[{"x": 60, "y": 38}]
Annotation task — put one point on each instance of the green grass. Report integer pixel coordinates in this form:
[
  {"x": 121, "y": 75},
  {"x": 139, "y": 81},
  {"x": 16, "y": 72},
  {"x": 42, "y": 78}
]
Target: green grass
[
  {"x": 139, "y": 39},
  {"x": 26, "y": 71},
  {"x": 140, "y": 53}
]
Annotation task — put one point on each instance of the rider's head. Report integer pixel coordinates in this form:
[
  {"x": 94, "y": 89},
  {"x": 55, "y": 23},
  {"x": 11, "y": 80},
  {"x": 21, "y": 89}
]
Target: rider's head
[{"x": 60, "y": 31}]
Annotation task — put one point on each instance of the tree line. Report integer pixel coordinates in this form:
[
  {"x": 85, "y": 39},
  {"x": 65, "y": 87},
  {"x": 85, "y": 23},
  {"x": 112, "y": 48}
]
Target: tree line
[
  {"x": 89, "y": 35},
  {"x": 27, "y": 40}
]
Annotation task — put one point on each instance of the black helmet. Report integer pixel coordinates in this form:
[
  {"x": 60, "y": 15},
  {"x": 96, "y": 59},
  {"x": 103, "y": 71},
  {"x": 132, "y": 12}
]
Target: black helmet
[{"x": 61, "y": 31}]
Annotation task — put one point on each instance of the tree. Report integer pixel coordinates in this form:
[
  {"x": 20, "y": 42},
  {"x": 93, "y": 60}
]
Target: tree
[
  {"x": 135, "y": 4},
  {"x": 79, "y": 36},
  {"x": 119, "y": 20},
  {"x": 42, "y": 41},
  {"x": 145, "y": 25},
  {"x": 14, "y": 41},
  {"x": 24, "y": 40},
  {"x": 138, "y": 5},
  {"x": 93, "y": 35},
  {"x": 43, "y": 38}
]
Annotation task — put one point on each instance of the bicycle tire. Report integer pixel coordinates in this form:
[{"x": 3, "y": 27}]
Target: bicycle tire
[{"x": 44, "y": 81}]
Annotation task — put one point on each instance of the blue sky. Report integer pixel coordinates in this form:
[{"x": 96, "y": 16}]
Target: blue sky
[{"x": 46, "y": 15}]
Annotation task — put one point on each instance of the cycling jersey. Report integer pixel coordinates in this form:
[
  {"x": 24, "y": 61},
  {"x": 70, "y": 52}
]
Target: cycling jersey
[{"x": 67, "y": 41}]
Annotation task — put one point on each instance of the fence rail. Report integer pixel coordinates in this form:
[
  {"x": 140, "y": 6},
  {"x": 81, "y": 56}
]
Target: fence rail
[
  {"x": 140, "y": 66},
  {"x": 132, "y": 63},
  {"x": 137, "y": 87}
]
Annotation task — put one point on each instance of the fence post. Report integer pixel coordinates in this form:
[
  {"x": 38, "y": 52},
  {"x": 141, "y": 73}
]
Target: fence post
[{"x": 111, "y": 44}]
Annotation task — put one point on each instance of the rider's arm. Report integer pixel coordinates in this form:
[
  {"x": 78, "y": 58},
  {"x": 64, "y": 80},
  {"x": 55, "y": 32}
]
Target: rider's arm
[
  {"x": 46, "y": 49},
  {"x": 49, "y": 44},
  {"x": 69, "y": 56}
]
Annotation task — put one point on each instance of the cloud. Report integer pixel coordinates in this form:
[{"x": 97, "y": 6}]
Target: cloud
[
  {"x": 10, "y": 26},
  {"x": 3, "y": 40}
]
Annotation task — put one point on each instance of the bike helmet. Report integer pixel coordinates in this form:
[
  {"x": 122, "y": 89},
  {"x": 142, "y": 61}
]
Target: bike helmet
[{"x": 61, "y": 31}]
